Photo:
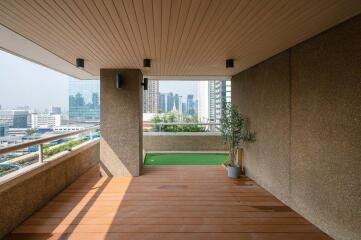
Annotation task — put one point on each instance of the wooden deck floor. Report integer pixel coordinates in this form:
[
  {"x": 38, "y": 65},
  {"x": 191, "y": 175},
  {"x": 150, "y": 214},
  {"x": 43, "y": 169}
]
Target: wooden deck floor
[{"x": 166, "y": 203}]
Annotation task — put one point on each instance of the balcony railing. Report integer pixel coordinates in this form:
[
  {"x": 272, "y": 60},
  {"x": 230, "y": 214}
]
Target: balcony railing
[
  {"x": 44, "y": 147},
  {"x": 181, "y": 127}
]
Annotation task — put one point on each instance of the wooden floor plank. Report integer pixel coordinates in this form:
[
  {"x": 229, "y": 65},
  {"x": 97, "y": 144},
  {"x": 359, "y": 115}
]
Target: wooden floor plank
[
  {"x": 173, "y": 236},
  {"x": 132, "y": 228},
  {"x": 164, "y": 221},
  {"x": 167, "y": 202}
]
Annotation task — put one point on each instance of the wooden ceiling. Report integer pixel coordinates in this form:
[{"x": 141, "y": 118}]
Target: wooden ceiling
[{"x": 182, "y": 37}]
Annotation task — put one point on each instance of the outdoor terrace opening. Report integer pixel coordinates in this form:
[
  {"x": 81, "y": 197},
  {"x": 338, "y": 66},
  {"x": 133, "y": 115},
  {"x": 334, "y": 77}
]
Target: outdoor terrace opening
[{"x": 181, "y": 120}]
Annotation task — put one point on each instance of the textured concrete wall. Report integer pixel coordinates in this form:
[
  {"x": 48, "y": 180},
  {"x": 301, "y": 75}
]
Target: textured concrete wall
[
  {"x": 305, "y": 105},
  {"x": 23, "y": 195},
  {"x": 183, "y": 142},
  {"x": 326, "y": 129},
  {"x": 262, "y": 93},
  {"x": 121, "y": 148}
]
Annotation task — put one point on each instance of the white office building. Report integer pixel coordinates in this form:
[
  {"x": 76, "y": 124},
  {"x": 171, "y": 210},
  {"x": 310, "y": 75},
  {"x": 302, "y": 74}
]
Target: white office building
[
  {"x": 203, "y": 101},
  {"x": 211, "y": 95},
  {"x": 45, "y": 120}
]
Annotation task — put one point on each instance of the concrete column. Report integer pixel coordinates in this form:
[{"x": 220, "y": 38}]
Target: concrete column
[{"x": 121, "y": 146}]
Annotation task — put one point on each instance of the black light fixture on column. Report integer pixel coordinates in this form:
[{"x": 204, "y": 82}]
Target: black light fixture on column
[
  {"x": 229, "y": 63},
  {"x": 145, "y": 83},
  {"x": 119, "y": 81},
  {"x": 80, "y": 63},
  {"x": 147, "y": 62}
]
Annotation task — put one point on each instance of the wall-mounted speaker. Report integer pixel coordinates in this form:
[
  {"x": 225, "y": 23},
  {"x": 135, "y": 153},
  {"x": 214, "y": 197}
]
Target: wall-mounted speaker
[
  {"x": 119, "y": 81},
  {"x": 145, "y": 83}
]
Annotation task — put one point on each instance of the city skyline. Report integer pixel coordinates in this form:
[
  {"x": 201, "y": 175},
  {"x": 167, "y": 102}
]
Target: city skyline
[
  {"x": 38, "y": 94},
  {"x": 32, "y": 83},
  {"x": 208, "y": 108},
  {"x": 84, "y": 101},
  {"x": 182, "y": 88}
]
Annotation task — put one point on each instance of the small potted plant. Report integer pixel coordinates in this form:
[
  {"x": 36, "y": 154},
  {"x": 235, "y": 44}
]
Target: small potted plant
[{"x": 233, "y": 127}]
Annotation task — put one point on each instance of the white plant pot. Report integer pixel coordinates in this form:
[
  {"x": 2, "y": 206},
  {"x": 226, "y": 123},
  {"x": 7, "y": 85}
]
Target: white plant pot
[{"x": 234, "y": 171}]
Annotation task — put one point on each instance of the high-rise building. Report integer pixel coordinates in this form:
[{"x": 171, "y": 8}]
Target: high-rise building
[
  {"x": 84, "y": 101},
  {"x": 203, "y": 101},
  {"x": 162, "y": 103},
  {"x": 4, "y": 129},
  {"x": 184, "y": 108},
  {"x": 14, "y": 118},
  {"x": 212, "y": 101},
  {"x": 222, "y": 94},
  {"x": 54, "y": 110},
  {"x": 150, "y": 97},
  {"x": 177, "y": 103},
  {"x": 212, "y": 94},
  {"x": 169, "y": 100},
  {"x": 45, "y": 120},
  {"x": 191, "y": 110}
]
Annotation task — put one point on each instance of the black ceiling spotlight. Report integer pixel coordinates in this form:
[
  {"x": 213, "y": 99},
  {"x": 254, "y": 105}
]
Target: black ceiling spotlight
[
  {"x": 80, "y": 63},
  {"x": 147, "y": 63},
  {"x": 229, "y": 63},
  {"x": 145, "y": 83}
]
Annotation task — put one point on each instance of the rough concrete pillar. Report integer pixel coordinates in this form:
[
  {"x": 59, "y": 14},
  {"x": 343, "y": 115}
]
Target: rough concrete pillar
[{"x": 121, "y": 147}]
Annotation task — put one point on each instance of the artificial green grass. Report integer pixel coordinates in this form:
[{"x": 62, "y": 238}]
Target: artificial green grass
[{"x": 185, "y": 158}]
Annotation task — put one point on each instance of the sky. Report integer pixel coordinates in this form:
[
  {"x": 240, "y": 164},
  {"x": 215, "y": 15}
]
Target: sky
[{"x": 24, "y": 83}]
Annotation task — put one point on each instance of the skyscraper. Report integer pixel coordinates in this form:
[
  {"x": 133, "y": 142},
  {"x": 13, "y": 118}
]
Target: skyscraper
[
  {"x": 184, "y": 108},
  {"x": 14, "y": 118},
  {"x": 222, "y": 94},
  {"x": 84, "y": 101},
  {"x": 54, "y": 110},
  {"x": 191, "y": 105},
  {"x": 169, "y": 100},
  {"x": 211, "y": 96},
  {"x": 4, "y": 129},
  {"x": 150, "y": 97},
  {"x": 203, "y": 101},
  {"x": 162, "y": 103},
  {"x": 212, "y": 101}
]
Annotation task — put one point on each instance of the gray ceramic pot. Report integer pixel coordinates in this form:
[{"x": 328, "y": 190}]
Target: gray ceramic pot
[{"x": 234, "y": 172}]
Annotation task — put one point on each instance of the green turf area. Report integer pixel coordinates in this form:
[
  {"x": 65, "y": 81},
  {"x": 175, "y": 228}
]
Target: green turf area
[{"x": 185, "y": 158}]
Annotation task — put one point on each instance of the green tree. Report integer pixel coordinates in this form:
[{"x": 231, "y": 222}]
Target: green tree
[
  {"x": 171, "y": 117},
  {"x": 234, "y": 129},
  {"x": 31, "y": 131}
]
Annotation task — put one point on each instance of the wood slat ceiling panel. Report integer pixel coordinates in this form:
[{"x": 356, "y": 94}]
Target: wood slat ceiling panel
[{"x": 182, "y": 37}]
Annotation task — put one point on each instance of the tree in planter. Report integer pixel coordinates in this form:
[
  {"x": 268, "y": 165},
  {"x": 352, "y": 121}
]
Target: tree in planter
[{"x": 233, "y": 127}]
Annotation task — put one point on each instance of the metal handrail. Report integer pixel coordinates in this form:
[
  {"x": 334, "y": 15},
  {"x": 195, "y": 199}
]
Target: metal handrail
[
  {"x": 183, "y": 123},
  {"x": 41, "y": 141}
]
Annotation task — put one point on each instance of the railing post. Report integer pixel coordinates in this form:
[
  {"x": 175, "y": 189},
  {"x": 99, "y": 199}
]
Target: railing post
[
  {"x": 91, "y": 135},
  {"x": 41, "y": 153}
]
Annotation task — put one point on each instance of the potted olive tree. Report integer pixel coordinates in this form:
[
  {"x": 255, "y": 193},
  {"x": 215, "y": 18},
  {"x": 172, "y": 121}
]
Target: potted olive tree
[{"x": 233, "y": 126}]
